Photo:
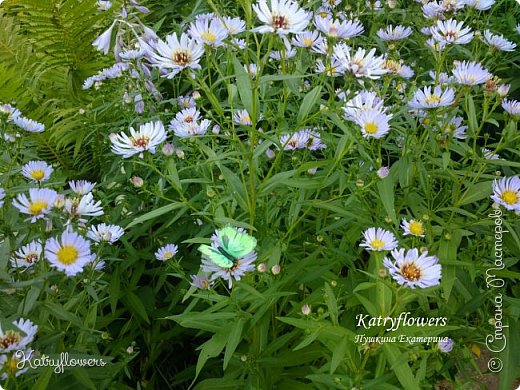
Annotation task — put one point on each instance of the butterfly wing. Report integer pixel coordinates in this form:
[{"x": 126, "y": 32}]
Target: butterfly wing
[
  {"x": 236, "y": 243},
  {"x": 215, "y": 256}
]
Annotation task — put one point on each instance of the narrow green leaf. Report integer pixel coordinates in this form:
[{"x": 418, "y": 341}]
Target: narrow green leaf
[
  {"x": 233, "y": 340},
  {"x": 337, "y": 355},
  {"x": 244, "y": 87},
  {"x": 385, "y": 188},
  {"x": 308, "y": 103},
  {"x": 476, "y": 192},
  {"x": 400, "y": 367},
  {"x": 136, "y": 305},
  {"x": 155, "y": 213},
  {"x": 332, "y": 305}
]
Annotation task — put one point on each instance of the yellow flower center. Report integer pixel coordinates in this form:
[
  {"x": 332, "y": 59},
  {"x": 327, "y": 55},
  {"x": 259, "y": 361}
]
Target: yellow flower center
[
  {"x": 11, "y": 337},
  {"x": 371, "y": 127},
  {"x": 307, "y": 41},
  {"x": 11, "y": 366},
  {"x": 416, "y": 228},
  {"x": 208, "y": 36},
  {"x": 509, "y": 197},
  {"x": 141, "y": 142},
  {"x": 167, "y": 255},
  {"x": 38, "y": 174},
  {"x": 377, "y": 244},
  {"x": 37, "y": 207},
  {"x": 181, "y": 58},
  {"x": 67, "y": 254},
  {"x": 433, "y": 99},
  {"x": 411, "y": 272}
]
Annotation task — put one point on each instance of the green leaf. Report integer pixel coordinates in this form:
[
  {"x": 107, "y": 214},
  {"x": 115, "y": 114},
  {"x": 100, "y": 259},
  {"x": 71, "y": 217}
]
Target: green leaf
[
  {"x": 155, "y": 213},
  {"x": 233, "y": 340},
  {"x": 338, "y": 354},
  {"x": 308, "y": 103},
  {"x": 332, "y": 305},
  {"x": 476, "y": 192},
  {"x": 136, "y": 305},
  {"x": 385, "y": 188},
  {"x": 400, "y": 367},
  {"x": 244, "y": 87},
  {"x": 212, "y": 348}
]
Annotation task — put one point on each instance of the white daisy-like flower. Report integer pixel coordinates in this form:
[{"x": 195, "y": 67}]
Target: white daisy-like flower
[
  {"x": 470, "y": 73},
  {"x": 166, "y": 252},
  {"x": 186, "y": 102},
  {"x": 191, "y": 129},
  {"x": 373, "y": 123},
  {"x": 398, "y": 69},
  {"x": 308, "y": 39},
  {"x": 251, "y": 69},
  {"x": 242, "y": 117},
  {"x": 208, "y": 31},
  {"x": 28, "y": 255},
  {"x": 39, "y": 203},
  {"x": 362, "y": 101},
  {"x": 451, "y": 31},
  {"x": 333, "y": 68},
  {"x": 19, "y": 338},
  {"x": 413, "y": 227},
  {"x": 452, "y": 5},
  {"x": 361, "y": 64},
  {"x": 10, "y": 111},
  {"x": 444, "y": 78},
  {"x": 489, "y": 155},
  {"x": 105, "y": 233},
  {"x": 413, "y": 270},
  {"x": 202, "y": 282},
  {"x": 149, "y": 136},
  {"x": 481, "y": 5},
  {"x": 455, "y": 128},
  {"x": 506, "y": 192},
  {"x": 2, "y": 196},
  {"x": 234, "y": 25},
  {"x": 498, "y": 41},
  {"x": 302, "y": 139},
  {"x": 174, "y": 55},
  {"x": 433, "y": 10},
  {"x": 9, "y": 364},
  {"x": 84, "y": 206},
  {"x": 285, "y": 16},
  {"x": 335, "y": 28},
  {"x": 425, "y": 98},
  {"x": 28, "y": 124},
  {"x": 378, "y": 239},
  {"x": 392, "y": 33},
  {"x": 70, "y": 254},
  {"x": 37, "y": 171},
  {"x": 512, "y": 107},
  {"x": 81, "y": 187}
]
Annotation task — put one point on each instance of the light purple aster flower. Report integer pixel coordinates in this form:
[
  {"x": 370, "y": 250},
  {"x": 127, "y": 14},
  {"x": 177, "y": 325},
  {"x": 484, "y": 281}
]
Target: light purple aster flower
[
  {"x": 413, "y": 270},
  {"x": 506, "y": 192},
  {"x": 512, "y": 107},
  {"x": 425, "y": 98},
  {"x": 166, "y": 252},
  {"x": 470, "y": 73},
  {"x": 498, "y": 41}
]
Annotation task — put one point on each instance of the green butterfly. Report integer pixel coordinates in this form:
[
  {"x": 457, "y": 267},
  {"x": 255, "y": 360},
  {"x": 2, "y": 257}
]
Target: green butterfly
[{"x": 234, "y": 246}]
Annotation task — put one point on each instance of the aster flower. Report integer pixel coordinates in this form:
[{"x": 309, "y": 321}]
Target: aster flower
[
  {"x": 10, "y": 111},
  {"x": 426, "y": 99},
  {"x": 28, "y": 255},
  {"x": 433, "y": 10},
  {"x": 378, "y": 239},
  {"x": 374, "y": 124},
  {"x": 28, "y": 124},
  {"x": 242, "y": 117},
  {"x": 306, "y": 39},
  {"x": 512, "y": 107},
  {"x": 289, "y": 52},
  {"x": 208, "y": 31},
  {"x": 489, "y": 155},
  {"x": 481, "y": 5},
  {"x": 186, "y": 102},
  {"x": 451, "y": 31},
  {"x": 470, "y": 73},
  {"x": 39, "y": 203},
  {"x": 455, "y": 128},
  {"x": 302, "y": 139},
  {"x": 37, "y": 171},
  {"x": 363, "y": 101},
  {"x": 446, "y": 346},
  {"x": 86, "y": 205},
  {"x": 383, "y": 172},
  {"x": 506, "y": 192},
  {"x": 70, "y": 253},
  {"x": 338, "y": 29},
  {"x": 452, "y": 5},
  {"x": 444, "y": 78},
  {"x": 185, "y": 116},
  {"x": 133, "y": 54},
  {"x": 147, "y": 138},
  {"x": 81, "y": 187},
  {"x": 105, "y": 233},
  {"x": 359, "y": 64},
  {"x": 413, "y": 270},
  {"x": 498, "y": 42},
  {"x": 166, "y": 252},
  {"x": 174, "y": 55},
  {"x": 285, "y": 16},
  {"x": 233, "y": 25},
  {"x": 251, "y": 69},
  {"x": 2, "y": 196},
  {"x": 202, "y": 282},
  {"x": 398, "y": 69},
  {"x": 191, "y": 129},
  {"x": 19, "y": 338},
  {"x": 333, "y": 68},
  {"x": 413, "y": 227},
  {"x": 103, "y": 5},
  {"x": 392, "y": 33}
]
